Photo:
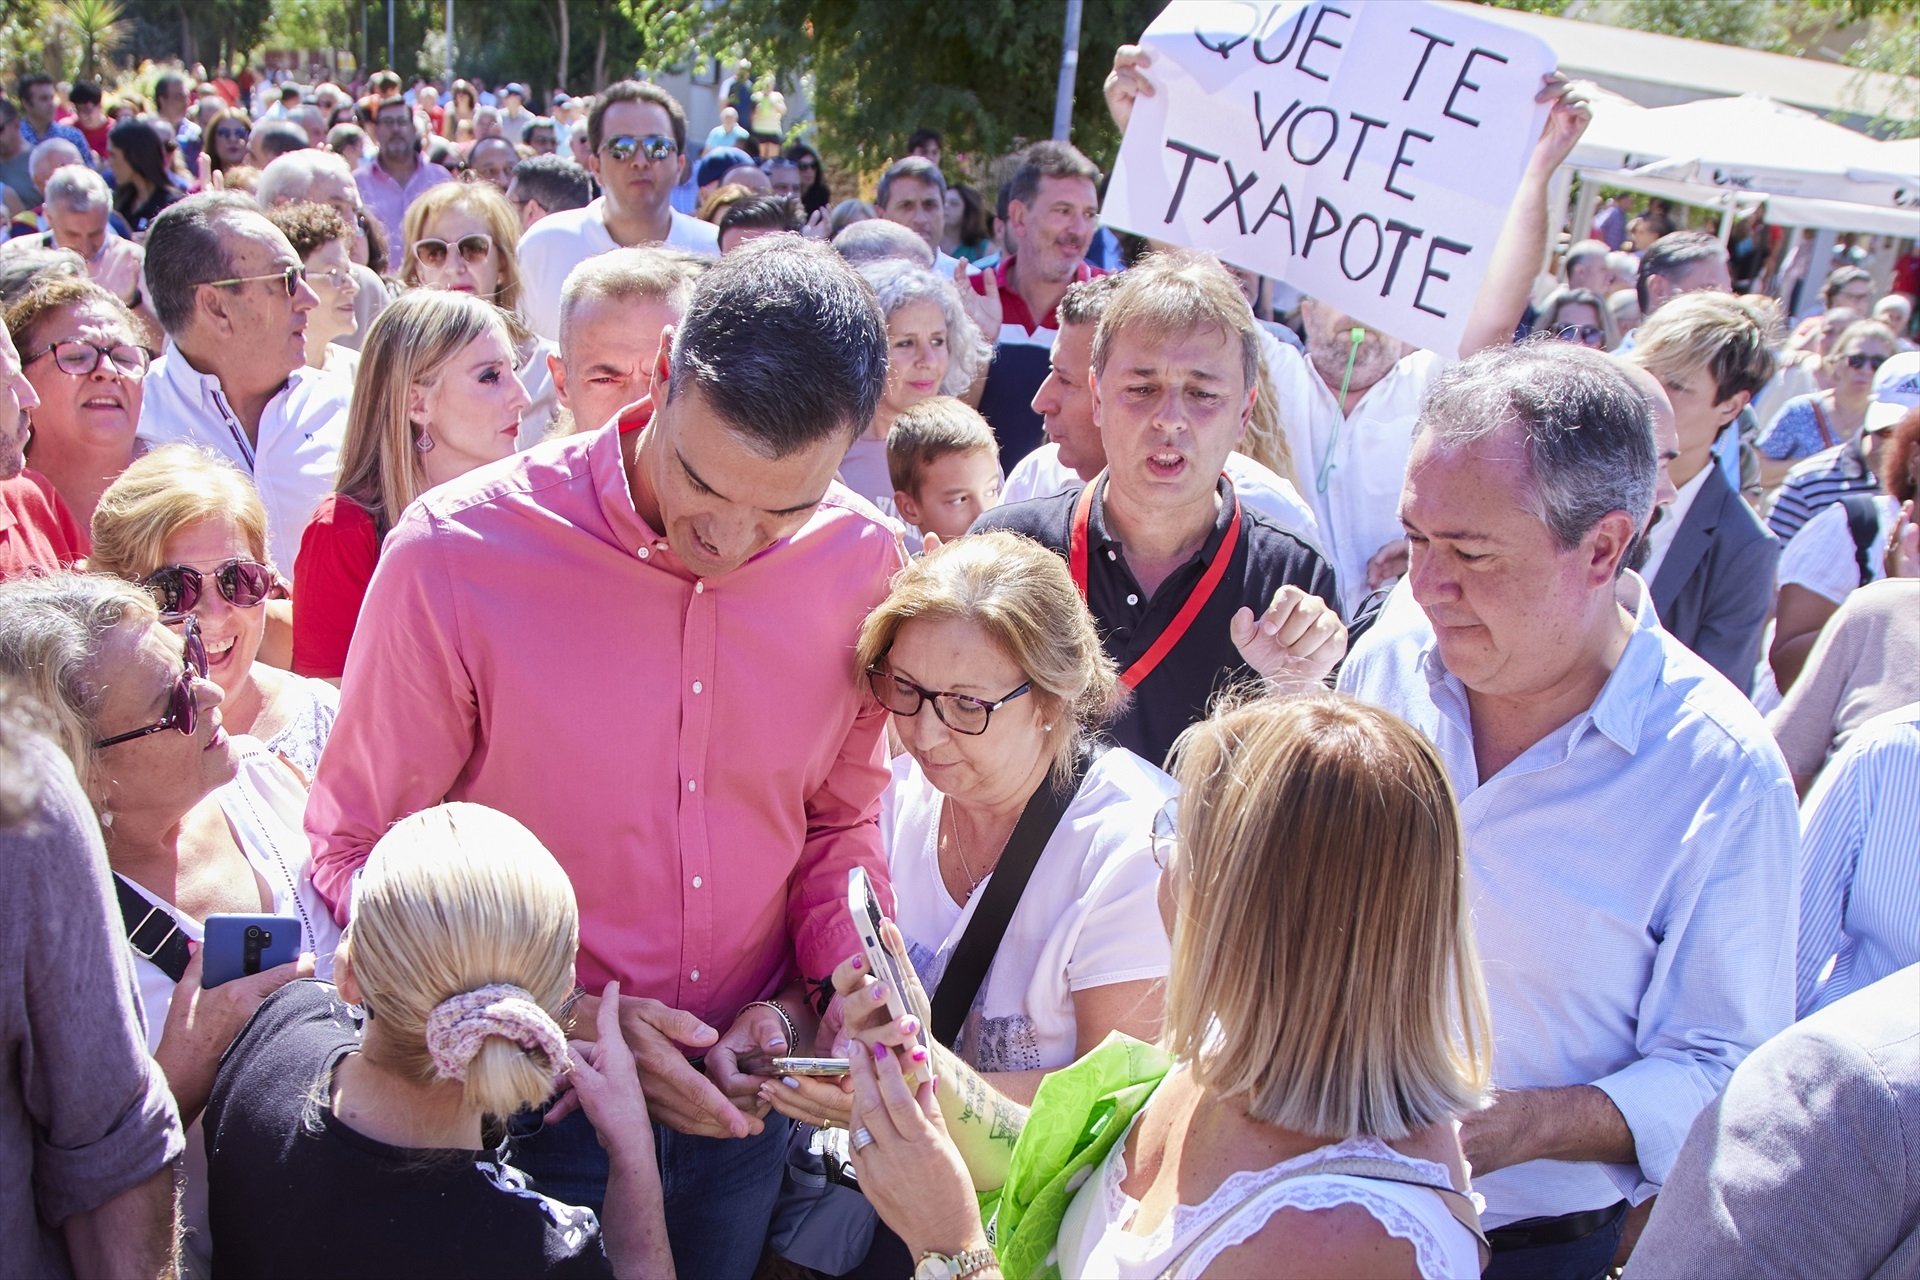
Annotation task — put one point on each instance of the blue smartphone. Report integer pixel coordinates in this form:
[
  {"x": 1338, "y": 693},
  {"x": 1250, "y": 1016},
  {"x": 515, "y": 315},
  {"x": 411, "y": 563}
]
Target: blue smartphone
[{"x": 239, "y": 945}]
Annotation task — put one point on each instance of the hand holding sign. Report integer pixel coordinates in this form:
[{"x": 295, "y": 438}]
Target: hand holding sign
[
  {"x": 1364, "y": 154},
  {"x": 1125, "y": 82}
]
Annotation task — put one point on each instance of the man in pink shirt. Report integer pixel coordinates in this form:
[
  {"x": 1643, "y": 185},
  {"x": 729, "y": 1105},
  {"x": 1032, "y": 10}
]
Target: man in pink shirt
[
  {"x": 639, "y": 642},
  {"x": 399, "y": 174}
]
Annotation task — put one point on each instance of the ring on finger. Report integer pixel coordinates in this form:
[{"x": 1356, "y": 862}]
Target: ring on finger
[{"x": 862, "y": 1139}]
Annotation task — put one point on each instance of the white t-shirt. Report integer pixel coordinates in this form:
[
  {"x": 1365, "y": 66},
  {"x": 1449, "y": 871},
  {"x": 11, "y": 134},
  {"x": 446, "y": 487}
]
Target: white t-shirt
[
  {"x": 1359, "y": 512},
  {"x": 864, "y": 470},
  {"x": 1040, "y": 475},
  {"x": 1089, "y": 916},
  {"x": 559, "y": 242},
  {"x": 1822, "y": 558}
]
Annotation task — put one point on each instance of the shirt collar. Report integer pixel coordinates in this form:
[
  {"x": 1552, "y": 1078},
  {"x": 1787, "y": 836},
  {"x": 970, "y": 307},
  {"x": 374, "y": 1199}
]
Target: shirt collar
[
  {"x": 606, "y": 461},
  {"x": 190, "y": 382},
  {"x": 1014, "y": 308},
  {"x": 1099, "y": 539}
]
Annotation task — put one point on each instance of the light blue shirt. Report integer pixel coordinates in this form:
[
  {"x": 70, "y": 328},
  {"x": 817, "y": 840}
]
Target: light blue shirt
[
  {"x": 1860, "y": 861},
  {"x": 1633, "y": 885}
]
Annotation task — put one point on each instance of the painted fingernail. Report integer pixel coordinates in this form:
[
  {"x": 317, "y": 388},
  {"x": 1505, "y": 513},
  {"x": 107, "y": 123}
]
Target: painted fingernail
[
  {"x": 918, "y": 1055},
  {"x": 790, "y": 1082},
  {"x": 879, "y": 1052},
  {"x": 879, "y": 993},
  {"x": 910, "y": 1026},
  {"x": 859, "y": 963},
  {"x": 777, "y": 1043},
  {"x": 843, "y": 1048}
]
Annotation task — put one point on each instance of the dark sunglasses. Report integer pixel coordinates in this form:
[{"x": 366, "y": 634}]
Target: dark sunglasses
[
  {"x": 290, "y": 279},
  {"x": 183, "y": 710},
  {"x": 1861, "y": 360},
  {"x": 1586, "y": 335},
  {"x": 476, "y": 249},
  {"x": 177, "y": 587},
  {"x": 626, "y": 147},
  {"x": 82, "y": 358},
  {"x": 231, "y": 135}
]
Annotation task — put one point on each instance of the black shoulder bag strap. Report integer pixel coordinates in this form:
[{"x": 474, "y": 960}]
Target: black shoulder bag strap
[
  {"x": 1863, "y": 522},
  {"x": 977, "y": 946},
  {"x": 152, "y": 931}
]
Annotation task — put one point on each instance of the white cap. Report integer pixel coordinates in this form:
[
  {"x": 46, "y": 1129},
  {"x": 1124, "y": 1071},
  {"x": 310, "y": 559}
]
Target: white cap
[{"x": 1896, "y": 391}]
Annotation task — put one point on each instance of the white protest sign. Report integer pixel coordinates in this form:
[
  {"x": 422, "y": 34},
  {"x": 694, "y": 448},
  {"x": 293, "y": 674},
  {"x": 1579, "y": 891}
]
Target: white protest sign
[{"x": 1365, "y": 153}]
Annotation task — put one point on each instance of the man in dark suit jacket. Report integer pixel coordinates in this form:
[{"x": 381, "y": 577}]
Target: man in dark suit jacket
[{"x": 1710, "y": 561}]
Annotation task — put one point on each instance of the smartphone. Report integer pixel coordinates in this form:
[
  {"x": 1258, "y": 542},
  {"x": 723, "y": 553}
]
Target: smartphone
[
  {"x": 239, "y": 945},
  {"x": 883, "y": 964},
  {"x": 827, "y": 1068}
]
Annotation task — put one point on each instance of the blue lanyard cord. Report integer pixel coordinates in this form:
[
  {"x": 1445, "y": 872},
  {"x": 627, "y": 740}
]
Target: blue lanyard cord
[{"x": 1346, "y": 380}]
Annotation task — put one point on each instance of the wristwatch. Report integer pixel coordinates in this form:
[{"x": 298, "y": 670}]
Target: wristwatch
[{"x": 939, "y": 1266}]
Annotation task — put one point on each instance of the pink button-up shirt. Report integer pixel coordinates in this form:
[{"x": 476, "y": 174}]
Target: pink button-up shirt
[
  {"x": 698, "y": 755},
  {"x": 387, "y": 200}
]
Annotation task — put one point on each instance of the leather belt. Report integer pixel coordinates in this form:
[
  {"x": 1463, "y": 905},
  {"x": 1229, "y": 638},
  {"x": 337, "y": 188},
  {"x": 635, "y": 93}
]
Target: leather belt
[{"x": 1530, "y": 1233}]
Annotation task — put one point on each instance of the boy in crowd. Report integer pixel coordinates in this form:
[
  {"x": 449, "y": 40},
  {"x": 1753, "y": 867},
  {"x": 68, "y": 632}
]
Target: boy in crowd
[{"x": 944, "y": 465}]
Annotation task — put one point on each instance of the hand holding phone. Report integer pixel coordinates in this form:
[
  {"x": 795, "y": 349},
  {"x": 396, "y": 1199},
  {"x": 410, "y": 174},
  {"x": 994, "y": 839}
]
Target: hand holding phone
[
  {"x": 238, "y": 946},
  {"x": 890, "y": 969}
]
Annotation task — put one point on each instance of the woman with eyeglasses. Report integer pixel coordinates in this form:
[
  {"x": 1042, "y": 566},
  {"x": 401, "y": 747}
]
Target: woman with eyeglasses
[
  {"x": 436, "y": 396},
  {"x": 463, "y": 237},
  {"x": 83, "y": 351},
  {"x": 997, "y": 683},
  {"x": 226, "y": 140},
  {"x": 1579, "y": 316},
  {"x": 197, "y": 821},
  {"x": 1820, "y": 420},
  {"x": 815, "y": 195},
  {"x": 324, "y": 240},
  {"x": 189, "y": 527}
]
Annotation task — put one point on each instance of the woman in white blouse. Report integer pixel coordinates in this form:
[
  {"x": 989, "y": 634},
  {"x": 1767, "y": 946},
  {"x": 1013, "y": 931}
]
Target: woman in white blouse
[
  {"x": 1326, "y": 1026},
  {"x": 996, "y": 678}
]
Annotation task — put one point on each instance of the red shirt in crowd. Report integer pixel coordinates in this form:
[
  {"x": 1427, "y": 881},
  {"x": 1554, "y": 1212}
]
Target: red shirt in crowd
[
  {"x": 38, "y": 533},
  {"x": 335, "y": 564}
]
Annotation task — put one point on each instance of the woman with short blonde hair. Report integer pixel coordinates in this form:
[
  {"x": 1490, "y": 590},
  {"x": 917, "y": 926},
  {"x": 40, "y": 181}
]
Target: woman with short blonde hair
[
  {"x": 383, "y": 1137},
  {"x": 436, "y": 396},
  {"x": 189, "y": 527},
  {"x": 1326, "y": 1026}
]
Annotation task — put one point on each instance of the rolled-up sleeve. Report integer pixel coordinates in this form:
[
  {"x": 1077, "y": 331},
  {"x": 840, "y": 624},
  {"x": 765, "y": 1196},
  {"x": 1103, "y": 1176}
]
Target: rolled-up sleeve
[
  {"x": 1723, "y": 978},
  {"x": 101, "y": 1116},
  {"x": 407, "y": 710}
]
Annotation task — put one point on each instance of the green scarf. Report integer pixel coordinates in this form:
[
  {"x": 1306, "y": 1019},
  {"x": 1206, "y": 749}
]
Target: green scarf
[{"x": 1078, "y": 1114}]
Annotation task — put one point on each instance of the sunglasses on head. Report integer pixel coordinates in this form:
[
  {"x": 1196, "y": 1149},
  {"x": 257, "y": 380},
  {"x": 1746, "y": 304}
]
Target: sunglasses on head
[
  {"x": 653, "y": 145},
  {"x": 1861, "y": 360},
  {"x": 475, "y": 249},
  {"x": 183, "y": 711},
  {"x": 1586, "y": 335},
  {"x": 176, "y": 588}
]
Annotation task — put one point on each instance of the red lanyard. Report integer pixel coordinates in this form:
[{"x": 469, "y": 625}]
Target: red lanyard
[{"x": 1202, "y": 592}]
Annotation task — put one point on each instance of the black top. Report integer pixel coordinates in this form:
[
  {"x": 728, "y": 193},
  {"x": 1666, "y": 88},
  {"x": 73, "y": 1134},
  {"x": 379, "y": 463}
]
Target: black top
[
  {"x": 1176, "y": 693},
  {"x": 294, "y": 1192}
]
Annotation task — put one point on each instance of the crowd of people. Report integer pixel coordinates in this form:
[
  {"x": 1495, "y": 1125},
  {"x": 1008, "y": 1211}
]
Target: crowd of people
[{"x": 1338, "y": 807}]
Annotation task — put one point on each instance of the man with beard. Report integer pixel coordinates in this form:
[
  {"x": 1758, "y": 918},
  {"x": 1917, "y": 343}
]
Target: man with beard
[
  {"x": 1053, "y": 209},
  {"x": 399, "y": 175}
]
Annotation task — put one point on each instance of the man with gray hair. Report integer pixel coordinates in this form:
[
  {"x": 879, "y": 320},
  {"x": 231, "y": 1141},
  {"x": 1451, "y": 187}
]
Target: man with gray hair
[
  {"x": 1588, "y": 268},
  {"x": 913, "y": 193},
  {"x": 613, "y": 310},
  {"x": 325, "y": 178},
  {"x": 233, "y": 299},
  {"x": 272, "y": 139},
  {"x": 547, "y": 184},
  {"x": 170, "y": 102},
  {"x": 877, "y": 239},
  {"x": 1631, "y": 827},
  {"x": 77, "y": 213}
]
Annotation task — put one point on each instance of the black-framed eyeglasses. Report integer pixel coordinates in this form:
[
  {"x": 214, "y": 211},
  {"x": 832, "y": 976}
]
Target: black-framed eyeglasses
[
  {"x": 1861, "y": 360},
  {"x": 290, "y": 279},
  {"x": 1587, "y": 335},
  {"x": 1166, "y": 832},
  {"x": 176, "y": 588},
  {"x": 475, "y": 249},
  {"x": 653, "y": 145},
  {"x": 79, "y": 358},
  {"x": 960, "y": 712},
  {"x": 183, "y": 709}
]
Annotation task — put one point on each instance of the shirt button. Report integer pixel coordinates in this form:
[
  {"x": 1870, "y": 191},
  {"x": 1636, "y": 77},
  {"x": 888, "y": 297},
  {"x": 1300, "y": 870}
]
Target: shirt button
[
  {"x": 694, "y": 976},
  {"x": 1133, "y": 599},
  {"x": 699, "y": 587},
  {"x": 644, "y": 553},
  {"x": 696, "y": 882},
  {"x": 696, "y": 686},
  {"x": 690, "y": 784},
  {"x": 1112, "y": 555}
]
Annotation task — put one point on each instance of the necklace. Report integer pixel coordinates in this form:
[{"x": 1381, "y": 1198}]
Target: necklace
[{"x": 959, "y": 850}]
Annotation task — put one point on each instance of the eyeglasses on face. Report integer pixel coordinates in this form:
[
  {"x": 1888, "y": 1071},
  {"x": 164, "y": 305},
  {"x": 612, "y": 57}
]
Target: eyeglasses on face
[
  {"x": 1166, "y": 830},
  {"x": 333, "y": 277},
  {"x": 655, "y": 147},
  {"x": 289, "y": 278},
  {"x": 79, "y": 358},
  {"x": 176, "y": 588},
  {"x": 1587, "y": 335},
  {"x": 183, "y": 710},
  {"x": 231, "y": 134},
  {"x": 1861, "y": 360},
  {"x": 474, "y": 249},
  {"x": 960, "y": 712}
]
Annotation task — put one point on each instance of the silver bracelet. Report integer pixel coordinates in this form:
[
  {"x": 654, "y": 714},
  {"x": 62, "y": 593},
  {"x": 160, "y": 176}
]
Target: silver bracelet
[{"x": 785, "y": 1021}]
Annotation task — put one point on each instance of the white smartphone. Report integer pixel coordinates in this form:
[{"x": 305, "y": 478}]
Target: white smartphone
[{"x": 864, "y": 907}]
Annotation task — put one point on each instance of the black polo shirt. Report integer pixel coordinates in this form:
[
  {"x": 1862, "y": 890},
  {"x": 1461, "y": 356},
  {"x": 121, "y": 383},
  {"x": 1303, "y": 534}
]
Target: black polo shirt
[{"x": 1204, "y": 661}]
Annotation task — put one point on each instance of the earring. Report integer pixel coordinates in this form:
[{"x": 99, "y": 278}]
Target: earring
[
  {"x": 1046, "y": 728},
  {"x": 424, "y": 444},
  {"x": 106, "y": 818}
]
